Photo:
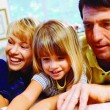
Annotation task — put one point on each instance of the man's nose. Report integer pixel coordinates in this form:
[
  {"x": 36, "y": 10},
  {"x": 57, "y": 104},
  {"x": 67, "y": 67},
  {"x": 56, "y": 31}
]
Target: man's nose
[{"x": 97, "y": 33}]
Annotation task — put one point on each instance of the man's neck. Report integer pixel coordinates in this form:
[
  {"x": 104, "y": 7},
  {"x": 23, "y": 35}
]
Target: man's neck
[{"x": 104, "y": 64}]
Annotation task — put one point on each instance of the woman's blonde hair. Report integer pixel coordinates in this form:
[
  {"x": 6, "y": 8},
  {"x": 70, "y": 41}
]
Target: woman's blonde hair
[
  {"x": 23, "y": 29},
  {"x": 61, "y": 39}
]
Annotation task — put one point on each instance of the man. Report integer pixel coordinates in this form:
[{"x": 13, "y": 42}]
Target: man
[{"x": 96, "y": 19}]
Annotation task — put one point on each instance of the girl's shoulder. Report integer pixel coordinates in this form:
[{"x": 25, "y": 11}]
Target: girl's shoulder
[{"x": 42, "y": 79}]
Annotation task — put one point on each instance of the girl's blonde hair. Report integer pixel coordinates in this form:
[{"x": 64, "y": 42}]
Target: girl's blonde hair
[
  {"x": 23, "y": 29},
  {"x": 61, "y": 39}
]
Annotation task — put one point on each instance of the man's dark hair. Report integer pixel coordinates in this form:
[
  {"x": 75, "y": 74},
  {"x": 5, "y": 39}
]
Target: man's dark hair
[{"x": 93, "y": 3}]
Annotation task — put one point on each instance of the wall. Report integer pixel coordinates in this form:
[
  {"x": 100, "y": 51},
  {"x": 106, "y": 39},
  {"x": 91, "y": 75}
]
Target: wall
[
  {"x": 66, "y": 10},
  {"x": 4, "y": 5}
]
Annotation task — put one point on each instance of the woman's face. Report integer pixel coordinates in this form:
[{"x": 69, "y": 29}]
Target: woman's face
[{"x": 18, "y": 53}]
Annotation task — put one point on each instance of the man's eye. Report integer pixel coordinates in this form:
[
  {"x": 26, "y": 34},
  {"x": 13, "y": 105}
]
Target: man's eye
[
  {"x": 106, "y": 24},
  {"x": 88, "y": 26}
]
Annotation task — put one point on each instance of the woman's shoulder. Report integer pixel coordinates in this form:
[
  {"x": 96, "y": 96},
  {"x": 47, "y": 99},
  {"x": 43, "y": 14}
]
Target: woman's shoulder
[
  {"x": 3, "y": 67},
  {"x": 2, "y": 62},
  {"x": 3, "y": 74}
]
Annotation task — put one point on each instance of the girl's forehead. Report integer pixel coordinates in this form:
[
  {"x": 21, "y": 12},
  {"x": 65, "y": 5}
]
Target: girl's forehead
[{"x": 51, "y": 52}]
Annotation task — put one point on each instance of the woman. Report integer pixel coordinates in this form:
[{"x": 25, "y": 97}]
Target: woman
[{"x": 19, "y": 56}]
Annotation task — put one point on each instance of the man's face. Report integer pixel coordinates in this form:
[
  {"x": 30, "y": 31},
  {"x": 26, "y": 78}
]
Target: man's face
[{"x": 97, "y": 29}]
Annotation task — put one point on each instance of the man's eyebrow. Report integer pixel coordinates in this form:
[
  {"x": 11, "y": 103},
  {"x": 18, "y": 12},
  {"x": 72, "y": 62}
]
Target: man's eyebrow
[
  {"x": 105, "y": 20},
  {"x": 102, "y": 20},
  {"x": 86, "y": 22}
]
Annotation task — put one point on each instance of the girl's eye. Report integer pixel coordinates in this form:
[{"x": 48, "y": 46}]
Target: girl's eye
[{"x": 45, "y": 59}]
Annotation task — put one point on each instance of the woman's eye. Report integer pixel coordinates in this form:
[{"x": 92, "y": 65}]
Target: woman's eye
[
  {"x": 61, "y": 58},
  {"x": 24, "y": 46},
  {"x": 10, "y": 42}
]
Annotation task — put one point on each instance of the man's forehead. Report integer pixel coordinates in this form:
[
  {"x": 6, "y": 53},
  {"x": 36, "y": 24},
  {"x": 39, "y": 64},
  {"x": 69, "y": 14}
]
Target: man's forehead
[{"x": 101, "y": 13}]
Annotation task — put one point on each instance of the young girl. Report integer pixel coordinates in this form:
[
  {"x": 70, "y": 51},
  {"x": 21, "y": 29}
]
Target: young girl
[
  {"x": 19, "y": 57},
  {"x": 58, "y": 63}
]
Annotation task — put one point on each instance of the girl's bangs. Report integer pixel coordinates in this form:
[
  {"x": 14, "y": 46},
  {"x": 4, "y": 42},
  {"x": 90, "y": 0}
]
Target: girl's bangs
[{"x": 50, "y": 49}]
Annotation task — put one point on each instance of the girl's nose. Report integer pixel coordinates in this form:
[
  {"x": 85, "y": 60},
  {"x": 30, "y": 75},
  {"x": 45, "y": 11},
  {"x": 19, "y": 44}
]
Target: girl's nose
[{"x": 53, "y": 65}]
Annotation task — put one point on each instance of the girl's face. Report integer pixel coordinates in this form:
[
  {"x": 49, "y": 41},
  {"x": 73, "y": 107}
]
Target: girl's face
[
  {"x": 55, "y": 66},
  {"x": 18, "y": 53}
]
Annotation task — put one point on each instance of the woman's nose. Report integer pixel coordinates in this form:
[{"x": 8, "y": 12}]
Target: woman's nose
[{"x": 14, "y": 49}]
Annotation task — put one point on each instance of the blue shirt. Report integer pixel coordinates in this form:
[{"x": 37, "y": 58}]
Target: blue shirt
[
  {"x": 4, "y": 87},
  {"x": 17, "y": 86},
  {"x": 19, "y": 81},
  {"x": 13, "y": 83}
]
